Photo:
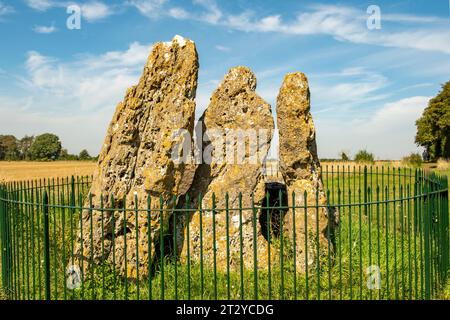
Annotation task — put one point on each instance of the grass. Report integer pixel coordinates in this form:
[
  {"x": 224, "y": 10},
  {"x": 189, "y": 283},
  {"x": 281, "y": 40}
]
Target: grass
[
  {"x": 346, "y": 279},
  {"x": 362, "y": 240},
  {"x": 443, "y": 167}
]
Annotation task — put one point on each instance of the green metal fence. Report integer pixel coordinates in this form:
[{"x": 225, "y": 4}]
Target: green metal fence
[{"x": 390, "y": 241}]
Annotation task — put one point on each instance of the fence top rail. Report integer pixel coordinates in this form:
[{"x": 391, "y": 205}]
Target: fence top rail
[
  {"x": 356, "y": 204},
  {"x": 424, "y": 184},
  {"x": 386, "y": 171}
]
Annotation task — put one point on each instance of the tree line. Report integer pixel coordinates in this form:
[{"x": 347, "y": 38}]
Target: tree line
[
  {"x": 44, "y": 147},
  {"x": 433, "y": 128}
]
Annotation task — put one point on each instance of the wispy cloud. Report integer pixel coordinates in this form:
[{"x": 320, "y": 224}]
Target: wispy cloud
[
  {"x": 65, "y": 96},
  {"x": 347, "y": 24},
  {"x": 178, "y": 13},
  {"x": 92, "y": 11},
  {"x": 94, "y": 81},
  {"x": 95, "y": 10},
  {"x": 44, "y": 29},
  {"x": 223, "y": 48},
  {"x": 40, "y": 5},
  {"x": 343, "y": 23},
  {"x": 5, "y": 9},
  {"x": 149, "y": 8},
  {"x": 388, "y": 132},
  {"x": 347, "y": 89}
]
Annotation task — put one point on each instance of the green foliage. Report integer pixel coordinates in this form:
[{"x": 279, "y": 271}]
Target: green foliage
[
  {"x": 9, "y": 148},
  {"x": 46, "y": 147},
  {"x": 344, "y": 156},
  {"x": 363, "y": 156},
  {"x": 433, "y": 128},
  {"x": 41, "y": 148},
  {"x": 413, "y": 160},
  {"x": 24, "y": 146},
  {"x": 84, "y": 155},
  {"x": 66, "y": 156}
]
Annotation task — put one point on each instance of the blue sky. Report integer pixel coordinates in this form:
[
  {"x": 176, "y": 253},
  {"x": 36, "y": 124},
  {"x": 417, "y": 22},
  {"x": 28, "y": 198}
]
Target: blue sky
[{"x": 367, "y": 86}]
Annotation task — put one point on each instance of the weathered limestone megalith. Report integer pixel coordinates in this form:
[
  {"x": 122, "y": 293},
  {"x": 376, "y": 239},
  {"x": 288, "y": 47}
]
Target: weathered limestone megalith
[
  {"x": 236, "y": 117},
  {"x": 300, "y": 167},
  {"x": 136, "y": 161}
]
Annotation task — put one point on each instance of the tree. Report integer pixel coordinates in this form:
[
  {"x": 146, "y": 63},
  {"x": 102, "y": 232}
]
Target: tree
[
  {"x": 84, "y": 155},
  {"x": 24, "y": 147},
  {"x": 433, "y": 128},
  {"x": 344, "y": 156},
  {"x": 9, "y": 148},
  {"x": 363, "y": 156},
  {"x": 46, "y": 147},
  {"x": 65, "y": 155},
  {"x": 413, "y": 160}
]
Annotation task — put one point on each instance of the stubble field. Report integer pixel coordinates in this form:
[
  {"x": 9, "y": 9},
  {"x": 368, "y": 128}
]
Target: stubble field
[{"x": 21, "y": 171}]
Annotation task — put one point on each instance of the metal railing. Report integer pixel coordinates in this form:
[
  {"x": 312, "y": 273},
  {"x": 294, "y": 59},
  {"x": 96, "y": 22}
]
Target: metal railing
[{"x": 389, "y": 240}]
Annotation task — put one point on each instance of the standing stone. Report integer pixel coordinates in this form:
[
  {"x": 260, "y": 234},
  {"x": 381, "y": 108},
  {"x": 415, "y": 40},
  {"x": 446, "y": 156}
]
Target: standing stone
[
  {"x": 236, "y": 117},
  {"x": 136, "y": 161},
  {"x": 300, "y": 167}
]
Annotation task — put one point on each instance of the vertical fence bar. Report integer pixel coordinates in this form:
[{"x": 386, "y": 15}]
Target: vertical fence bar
[
  {"x": 46, "y": 245},
  {"x": 241, "y": 243},
  {"x": 280, "y": 203},
  {"x": 294, "y": 240},
  {"x": 305, "y": 203},
  {"x": 161, "y": 243},
  {"x": 214, "y": 243},
  {"x": 255, "y": 252},
  {"x": 269, "y": 244},
  {"x": 426, "y": 217},
  {"x": 227, "y": 216}
]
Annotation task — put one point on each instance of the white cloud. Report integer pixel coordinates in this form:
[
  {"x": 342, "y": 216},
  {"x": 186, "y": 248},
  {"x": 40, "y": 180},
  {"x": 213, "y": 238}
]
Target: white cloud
[
  {"x": 149, "y": 8},
  {"x": 408, "y": 18},
  {"x": 40, "y": 5},
  {"x": 223, "y": 48},
  {"x": 178, "y": 13},
  {"x": 346, "y": 89},
  {"x": 5, "y": 9},
  {"x": 44, "y": 29},
  {"x": 344, "y": 23},
  {"x": 92, "y": 11},
  {"x": 91, "y": 82},
  {"x": 95, "y": 10},
  {"x": 388, "y": 132},
  {"x": 77, "y": 131},
  {"x": 74, "y": 99},
  {"x": 212, "y": 14}
]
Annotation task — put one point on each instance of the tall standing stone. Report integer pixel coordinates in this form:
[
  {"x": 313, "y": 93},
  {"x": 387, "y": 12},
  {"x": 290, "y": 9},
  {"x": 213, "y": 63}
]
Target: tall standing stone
[
  {"x": 300, "y": 167},
  {"x": 235, "y": 117},
  {"x": 136, "y": 160}
]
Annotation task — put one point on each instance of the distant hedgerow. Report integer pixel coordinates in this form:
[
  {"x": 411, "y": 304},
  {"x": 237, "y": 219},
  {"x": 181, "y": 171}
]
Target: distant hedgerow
[{"x": 363, "y": 156}]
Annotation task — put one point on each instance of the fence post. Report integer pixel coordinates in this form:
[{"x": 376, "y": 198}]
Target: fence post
[
  {"x": 46, "y": 246},
  {"x": 426, "y": 221},
  {"x": 3, "y": 239},
  {"x": 365, "y": 190}
]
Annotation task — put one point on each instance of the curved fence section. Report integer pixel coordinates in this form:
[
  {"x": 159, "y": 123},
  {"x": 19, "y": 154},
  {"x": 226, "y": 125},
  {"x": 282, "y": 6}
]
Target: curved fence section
[{"x": 385, "y": 236}]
